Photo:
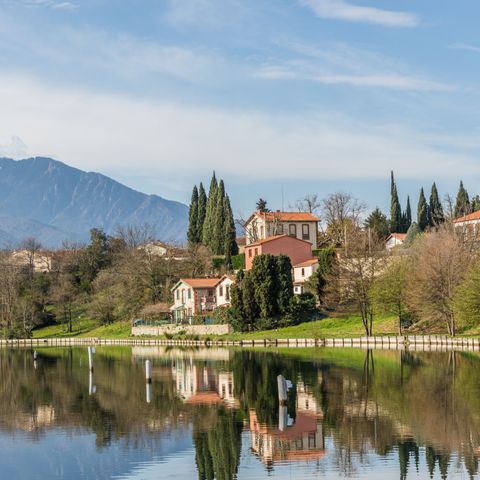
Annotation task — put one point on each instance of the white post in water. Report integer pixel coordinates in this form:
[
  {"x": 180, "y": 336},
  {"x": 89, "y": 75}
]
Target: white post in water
[
  {"x": 35, "y": 354},
  {"x": 91, "y": 387},
  {"x": 91, "y": 351},
  {"x": 282, "y": 389},
  {"x": 148, "y": 371},
  {"x": 149, "y": 392}
]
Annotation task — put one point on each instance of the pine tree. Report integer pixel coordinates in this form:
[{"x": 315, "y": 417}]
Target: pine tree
[
  {"x": 192, "y": 234},
  {"x": 435, "y": 211},
  {"x": 462, "y": 205},
  {"x": 395, "y": 210},
  {"x": 202, "y": 205},
  {"x": 285, "y": 283},
  {"x": 422, "y": 211},
  {"x": 378, "y": 223},
  {"x": 209, "y": 222},
  {"x": 262, "y": 206},
  {"x": 230, "y": 243},
  {"x": 407, "y": 216},
  {"x": 217, "y": 244}
]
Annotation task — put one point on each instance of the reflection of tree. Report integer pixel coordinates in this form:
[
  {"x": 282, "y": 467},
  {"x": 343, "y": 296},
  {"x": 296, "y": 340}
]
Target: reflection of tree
[{"x": 217, "y": 450}]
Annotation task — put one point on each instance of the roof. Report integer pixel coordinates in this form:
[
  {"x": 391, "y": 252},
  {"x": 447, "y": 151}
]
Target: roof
[
  {"x": 398, "y": 236},
  {"x": 200, "y": 282},
  {"x": 286, "y": 216},
  {"x": 467, "y": 218},
  {"x": 241, "y": 240},
  {"x": 307, "y": 263},
  {"x": 275, "y": 237}
]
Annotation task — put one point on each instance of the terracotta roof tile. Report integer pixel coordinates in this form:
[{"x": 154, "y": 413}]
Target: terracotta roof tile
[
  {"x": 202, "y": 282},
  {"x": 307, "y": 263},
  {"x": 466, "y": 218},
  {"x": 275, "y": 237},
  {"x": 290, "y": 216}
]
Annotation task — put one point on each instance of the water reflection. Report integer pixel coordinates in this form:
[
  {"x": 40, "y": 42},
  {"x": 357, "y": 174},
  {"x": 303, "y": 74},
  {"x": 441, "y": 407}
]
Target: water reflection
[{"x": 217, "y": 413}]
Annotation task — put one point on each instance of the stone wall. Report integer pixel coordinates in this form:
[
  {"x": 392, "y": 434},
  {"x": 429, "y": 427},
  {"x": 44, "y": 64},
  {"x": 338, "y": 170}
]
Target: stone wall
[{"x": 188, "y": 329}]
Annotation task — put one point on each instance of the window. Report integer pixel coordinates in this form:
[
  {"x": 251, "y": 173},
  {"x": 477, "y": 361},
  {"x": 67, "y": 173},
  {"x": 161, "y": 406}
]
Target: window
[
  {"x": 292, "y": 230},
  {"x": 189, "y": 293},
  {"x": 178, "y": 294},
  {"x": 280, "y": 229},
  {"x": 306, "y": 231},
  {"x": 220, "y": 291},
  {"x": 210, "y": 293},
  {"x": 249, "y": 253},
  {"x": 303, "y": 272},
  {"x": 256, "y": 251},
  {"x": 262, "y": 231},
  {"x": 227, "y": 292}
]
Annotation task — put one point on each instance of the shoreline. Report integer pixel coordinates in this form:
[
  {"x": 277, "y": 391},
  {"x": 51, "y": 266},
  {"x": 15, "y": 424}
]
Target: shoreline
[{"x": 407, "y": 342}]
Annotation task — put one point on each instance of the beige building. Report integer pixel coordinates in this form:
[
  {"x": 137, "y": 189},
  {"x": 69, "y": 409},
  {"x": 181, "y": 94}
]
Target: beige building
[
  {"x": 301, "y": 225},
  {"x": 40, "y": 261},
  {"x": 394, "y": 240},
  {"x": 468, "y": 224},
  {"x": 302, "y": 272}
]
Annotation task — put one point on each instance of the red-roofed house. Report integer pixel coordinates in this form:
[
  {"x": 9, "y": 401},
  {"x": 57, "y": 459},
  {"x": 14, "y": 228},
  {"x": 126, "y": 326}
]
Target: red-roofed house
[
  {"x": 394, "y": 240},
  {"x": 470, "y": 224},
  {"x": 302, "y": 272},
  {"x": 298, "y": 250},
  {"x": 263, "y": 225}
]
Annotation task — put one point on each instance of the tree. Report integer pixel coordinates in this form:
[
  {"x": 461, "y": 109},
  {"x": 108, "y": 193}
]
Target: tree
[
  {"x": 440, "y": 261},
  {"x": 462, "y": 204},
  {"x": 217, "y": 244},
  {"x": 389, "y": 290},
  {"x": 192, "y": 234},
  {"x": 435, "y": 209},
  {"x": 466, "y": 301},
  {"x": 262, "y": 206},
  {"x": 318, "y": 280},
  {"x": 209, "y": 222},
  {"x": 395, "y": 209},
  {"x": 264, "y": 277},
  {"x": 202, "y": 205},
  {"x": 412, "y": 233},
  {"x": 309, "y": 203},
  {"x": 230, "y": 235},
  {"x": 407, "y": 217},
  {"x": 378, "y": 223},
  {"x": 250, "y": 306},
  {"x": 422, "y": 212},
  {"x": 475, "y": 203},
  {"x": 285, "y": 283},
  {"x": 341, "y": 212}
]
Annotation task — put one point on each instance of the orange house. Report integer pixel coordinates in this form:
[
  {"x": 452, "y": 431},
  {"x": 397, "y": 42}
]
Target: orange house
[{"x": 298, "y": 250}]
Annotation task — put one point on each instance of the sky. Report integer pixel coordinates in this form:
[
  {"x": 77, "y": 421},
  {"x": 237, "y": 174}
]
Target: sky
[{"x": 279, "y": 97}]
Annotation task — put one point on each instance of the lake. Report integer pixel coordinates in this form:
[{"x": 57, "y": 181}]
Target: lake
[{"x": 215, "y": 413}]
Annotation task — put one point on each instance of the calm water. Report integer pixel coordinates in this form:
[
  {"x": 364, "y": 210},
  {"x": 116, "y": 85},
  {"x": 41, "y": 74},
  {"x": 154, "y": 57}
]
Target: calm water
[{"x": 215, "y": 414}]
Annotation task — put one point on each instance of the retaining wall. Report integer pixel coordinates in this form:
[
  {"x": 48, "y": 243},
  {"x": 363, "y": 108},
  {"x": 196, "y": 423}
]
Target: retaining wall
[{"x": 189, "y": 329}]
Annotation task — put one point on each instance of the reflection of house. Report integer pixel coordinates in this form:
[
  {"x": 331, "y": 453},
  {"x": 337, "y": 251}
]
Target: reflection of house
[
  {"x": 298, "y": 250},
  {"x": 394, "y": 240},
  {"x": 301, "y": 440},
  {"x": 301, "y": 225},
  {"x": 302, "y": 272},
  {"x": 44, "y": 417},
  {"x": 201, "y": 384},
  {"x": 197, "y": 296},
  {"x": 39, "y": 261}
]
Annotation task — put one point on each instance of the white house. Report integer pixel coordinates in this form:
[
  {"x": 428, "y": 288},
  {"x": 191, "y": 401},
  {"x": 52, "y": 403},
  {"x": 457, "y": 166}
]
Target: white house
[
  {"x": 302, "y": 272},
  {"x": 394, "y": 240},
  {"x": 262, "y": 225},
  {"x": 198, "y": 296},
  {"x": 468, "y": 224}
]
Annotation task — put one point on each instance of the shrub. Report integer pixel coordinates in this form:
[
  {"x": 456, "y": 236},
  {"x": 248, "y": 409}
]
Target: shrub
[{"x": 238, "y": 261}]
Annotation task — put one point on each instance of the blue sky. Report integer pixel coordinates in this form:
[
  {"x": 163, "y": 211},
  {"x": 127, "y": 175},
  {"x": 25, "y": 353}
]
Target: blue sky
[{"x": 280, "y": 97}]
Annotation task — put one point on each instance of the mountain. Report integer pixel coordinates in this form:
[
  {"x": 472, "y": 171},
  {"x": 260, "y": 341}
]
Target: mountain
[{"x": 53, "y": 202}]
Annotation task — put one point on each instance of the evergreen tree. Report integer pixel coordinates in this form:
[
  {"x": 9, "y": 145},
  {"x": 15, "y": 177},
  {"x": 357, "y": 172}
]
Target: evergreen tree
[
  {"x": 264, "y": 277},
  {"x": 230, "y": 234},
  {"x": 377, "y": 222},
  {"x": 407, "y": 217},
  {"x": 202, "y": 205},
  {"x": 422, "y": 212},
  {"x": 218, "y": 238},
  {"x": 192, "y": 234},
  {"x": 236, "y": 297},
  {"x": 462, "y": 205},
  {"x": 395, "y": 210},
  {"x": 285, "y": 283},
  {"x": 435, "y": 211},
  {"x": 209, "y": 222},
  {"x": 412, "y": 233},
  {"x": 262, "y": 206},
  {"x": 250, "y": 306},
  {"x": 475, "y": 205}
]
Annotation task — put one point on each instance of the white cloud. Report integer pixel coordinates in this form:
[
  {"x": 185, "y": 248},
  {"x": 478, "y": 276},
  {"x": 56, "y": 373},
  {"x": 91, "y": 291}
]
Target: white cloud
[
  {"x": 114, "y": 133},
  {"x": 53, "y": 4},
  {"x": 465, "y": 46},
  {"x": 342, "y": 10}
]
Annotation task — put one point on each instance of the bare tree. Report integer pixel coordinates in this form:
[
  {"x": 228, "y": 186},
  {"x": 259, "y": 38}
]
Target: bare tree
[
  {"x": 342, "y": 213},
  {"x": 136, "y": 235},
  {"x": 309, "y": 203}
]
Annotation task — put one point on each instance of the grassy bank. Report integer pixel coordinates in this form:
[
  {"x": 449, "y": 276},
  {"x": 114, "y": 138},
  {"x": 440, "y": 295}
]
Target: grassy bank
[{"x": 350, "y": 326}]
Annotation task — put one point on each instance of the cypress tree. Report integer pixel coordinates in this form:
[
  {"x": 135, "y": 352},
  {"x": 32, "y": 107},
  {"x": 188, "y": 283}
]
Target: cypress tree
[
  {"x": 407, "y": 216},
  {"x": 412, "y": 233},
  {"x": 217, "y": 244},
  {"x": 264, "y": 276},
  {"x": 202, "y": 205},
  {"x": 422, "y": 212},
  {"x": 285, "y": 283},
  {"x": 395, "y": 210},
  {"x": 475, "y": 204},
  {"x": 192, "y": 234},
  {"x": 462, "y": 205},
  {"x": 230, "y": 234},
  {"x": 435, "y": 212},
  {"x": 209, "y": 222},
  {"x": 250, "y": 306}
]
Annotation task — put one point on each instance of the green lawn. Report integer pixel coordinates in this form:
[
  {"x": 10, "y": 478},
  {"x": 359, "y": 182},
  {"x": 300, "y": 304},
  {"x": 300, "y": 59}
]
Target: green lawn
[{"x": 350, "y": 326}]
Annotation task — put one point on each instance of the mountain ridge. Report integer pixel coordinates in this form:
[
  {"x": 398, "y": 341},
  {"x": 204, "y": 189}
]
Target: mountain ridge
[{"x": 71, "y": 202}]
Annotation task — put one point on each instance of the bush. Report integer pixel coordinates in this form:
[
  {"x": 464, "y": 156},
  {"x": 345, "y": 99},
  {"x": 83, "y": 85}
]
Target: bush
[
  {"x": 218, "y": 262},
  {"x": 238, "y": 261},
  {"x": 302, "y": 309}
]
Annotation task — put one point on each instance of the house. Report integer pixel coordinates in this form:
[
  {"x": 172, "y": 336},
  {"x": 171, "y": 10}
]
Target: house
[
  {"x": 263, "y": 225},
  {"x": 241, "y": 242},
  {"x": 38, "y": 261},
  {"x": 302, "y": 272},
  {"x": 469, "y": 224},
  {"x": 298, "y": 250},
  {"x": 394, "y": 240},
  {"x": 198, "y": 296}
]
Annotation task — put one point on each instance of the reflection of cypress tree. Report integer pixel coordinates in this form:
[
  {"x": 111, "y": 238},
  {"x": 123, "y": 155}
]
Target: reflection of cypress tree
[
  {"x": 430, "y": 460},
  {"x": 471, "y": 465},
  {"x": 403, "y": 458},
  {"x": 217, "y": 452},
  {"x": 443, "y": 463}
]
